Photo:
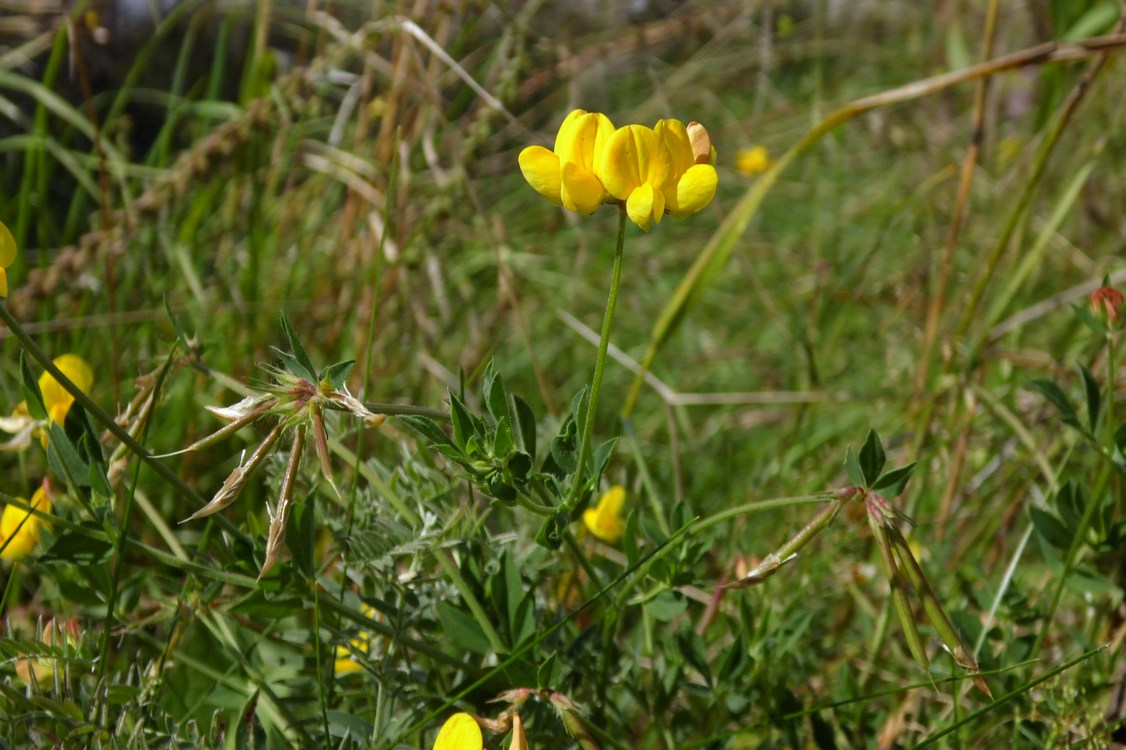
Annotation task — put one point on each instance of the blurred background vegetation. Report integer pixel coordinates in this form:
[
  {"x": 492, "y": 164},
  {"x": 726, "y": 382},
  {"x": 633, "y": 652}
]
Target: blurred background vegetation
[{"x": 217, "y": 163}]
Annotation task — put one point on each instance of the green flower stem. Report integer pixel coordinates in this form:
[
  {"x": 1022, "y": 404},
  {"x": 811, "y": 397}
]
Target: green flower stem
[
  {"x": 107, "y": 421},
  {"x": 577, "y": 486}
]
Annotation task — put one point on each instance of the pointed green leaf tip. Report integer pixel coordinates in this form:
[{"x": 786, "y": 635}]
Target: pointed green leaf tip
[
  {"x": 298, "y": 351},
  {"x": 871, "y": 458}
]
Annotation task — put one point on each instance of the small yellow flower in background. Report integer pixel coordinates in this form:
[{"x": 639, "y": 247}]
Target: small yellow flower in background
[
  {"x": 7, "y": 257},
  {"x": 460, "y": 732},
  {"x": 56, "y": 399},
  {"x": 19, "y": 529},
  {"x": 566, "y": 176},
  {"x": 345, "y": 657},
  {"x": 605, "y": 519},
  {"x": 751, "y": 161}
]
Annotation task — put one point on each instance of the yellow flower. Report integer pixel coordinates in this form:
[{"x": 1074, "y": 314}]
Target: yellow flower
[
  {"x": 7, "y": 256},
  {"x": 752, "y": 161},
  {"x": 19, "y": 529},
  {"x": 567, "y": 176},
  {"x": 56, "y": 399},
  {"x": 65, "y": 636},
  {"x": 460, "y": 732},
  {"x": 605, "y": 519},
  {"x": 635, "y": 167},
  {"x": 693, "y": 182}
]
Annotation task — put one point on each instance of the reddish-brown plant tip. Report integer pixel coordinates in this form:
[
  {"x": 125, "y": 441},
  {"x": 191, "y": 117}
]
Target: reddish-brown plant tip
[{"x": 1106, "y": 304}]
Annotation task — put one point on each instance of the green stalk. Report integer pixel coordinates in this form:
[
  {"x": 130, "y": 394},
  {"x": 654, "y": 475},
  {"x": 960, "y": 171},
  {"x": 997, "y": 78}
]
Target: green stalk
[
  {"x": 578, "y": 486},
  {"x": 898, "y": 593}
]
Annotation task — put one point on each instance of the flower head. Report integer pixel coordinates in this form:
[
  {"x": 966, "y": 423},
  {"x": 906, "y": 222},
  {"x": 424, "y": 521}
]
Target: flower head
[
  {"x": 567, "y": 176},
  {"x": 460, "y": 732},
  {"x": 648, "y": 171},
  {"x": 345, "y": 657},
  {"x": 7, "y": 257},
  {"x": 56, "y": 400},
  {"x": 19, "y": 529},
  {"x": 605, "y": 519}
]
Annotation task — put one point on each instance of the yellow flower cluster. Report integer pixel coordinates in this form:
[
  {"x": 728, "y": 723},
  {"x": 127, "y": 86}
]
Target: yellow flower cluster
[
  {"x": 669, "y": 168},
  {"x": 19, "y": 529}
]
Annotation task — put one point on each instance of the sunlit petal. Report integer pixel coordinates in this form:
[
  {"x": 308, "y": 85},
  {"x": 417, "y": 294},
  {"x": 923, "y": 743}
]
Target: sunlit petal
[
  {"x": 541, "y": 170},
  {"x": 645, "y": 206},
  {"x": 695, "y": 190},
  {"x": 582, "y": 191},
  {"x": 460, "y": 732}
]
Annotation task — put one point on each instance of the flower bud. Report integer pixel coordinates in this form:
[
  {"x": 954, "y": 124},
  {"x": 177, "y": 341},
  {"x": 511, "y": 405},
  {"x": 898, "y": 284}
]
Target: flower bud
[
  {"x": 1107, "y": 304},
  {"x": 701, "y": 143}
]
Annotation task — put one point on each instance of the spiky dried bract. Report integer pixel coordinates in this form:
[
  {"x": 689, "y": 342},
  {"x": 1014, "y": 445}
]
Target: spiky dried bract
[
  {"x": 235, "y": 481},
  {"x": 280, "y": 515}
]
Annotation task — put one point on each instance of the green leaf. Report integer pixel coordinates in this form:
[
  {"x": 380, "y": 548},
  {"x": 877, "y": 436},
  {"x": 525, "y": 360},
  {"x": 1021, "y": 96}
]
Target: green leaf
[
  {"x": 503, "y": 443},
  {"x": 1052, "y": 392},
  {"x": 428, "y": 428},
  {"x": 1094, "y": 398},
  {"x": 31, "y": 392},
  {"x": 565, "y": 446},
  {"x": 691, "y": 647},
  {"x": 895, "y": 481},
  {"x": 462, "y": 422},
  {"x": 462, "y": 629},
  {"x": 602, "y": 456},
  {"x": 871, "y": 458},
  {"x": 496, "y": 398},
  {"x": 525, "y": 426},
  {"x": 337, "y": 374},
  {"x": 852, "y": 467},
  {"x": 1071, "y": 503},
  {"x": 1050, "y": 529},
  {"x": 78, "y": 548},
  {"x": 65, "y": 459},
  {"x": 298, "y": 350},
  {"x": 293, "y": 364}
]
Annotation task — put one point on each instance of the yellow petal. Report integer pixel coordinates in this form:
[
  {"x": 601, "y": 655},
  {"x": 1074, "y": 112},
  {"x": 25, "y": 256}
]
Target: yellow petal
[
  {"x": 7, "y": 248},
  {"x": 695, "y": 190},
  {"x": 645, "y": 206},
  {"x": 620, "y": 167},
  {"x": 581, "y": 139},
  {"x": 605, "y": 519},
  {"x": 566, "y": 132},
  {"x": 676, "y": 139},
  {"x": 76, "y": 370},
  {"x": 581, "y": 190},
  {"x": 20, "y": 529},
  {"x": 541, "y": 170},
  {"x": 460, "y": 732}
]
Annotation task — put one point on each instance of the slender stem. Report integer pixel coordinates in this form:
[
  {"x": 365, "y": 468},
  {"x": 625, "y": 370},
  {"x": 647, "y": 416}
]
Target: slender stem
[{"x": 578, "y": 485}]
